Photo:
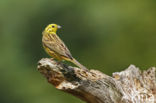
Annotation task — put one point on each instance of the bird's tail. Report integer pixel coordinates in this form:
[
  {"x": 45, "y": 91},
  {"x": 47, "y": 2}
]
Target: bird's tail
[{"x": 78, "y": 64}]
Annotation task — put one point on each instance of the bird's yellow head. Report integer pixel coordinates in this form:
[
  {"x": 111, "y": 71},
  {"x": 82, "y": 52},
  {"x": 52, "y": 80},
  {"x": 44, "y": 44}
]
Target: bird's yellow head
[{"x": 52, "y": 28}]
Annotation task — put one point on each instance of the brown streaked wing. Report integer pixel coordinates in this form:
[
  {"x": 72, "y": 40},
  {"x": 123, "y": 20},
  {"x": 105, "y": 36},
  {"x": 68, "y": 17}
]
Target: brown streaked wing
[{"x": 53, "y": 42}]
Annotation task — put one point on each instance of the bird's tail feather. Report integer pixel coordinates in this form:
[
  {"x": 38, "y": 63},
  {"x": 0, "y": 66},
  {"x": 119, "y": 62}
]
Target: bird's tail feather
[{"x": 78, "y": 64}]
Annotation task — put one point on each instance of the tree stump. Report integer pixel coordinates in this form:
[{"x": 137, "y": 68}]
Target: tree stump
[{"x": 129, "y": 86}]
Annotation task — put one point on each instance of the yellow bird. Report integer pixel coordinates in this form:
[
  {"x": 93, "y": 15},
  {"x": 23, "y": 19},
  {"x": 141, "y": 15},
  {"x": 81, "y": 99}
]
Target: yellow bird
[{"x": 55, "y": 47}]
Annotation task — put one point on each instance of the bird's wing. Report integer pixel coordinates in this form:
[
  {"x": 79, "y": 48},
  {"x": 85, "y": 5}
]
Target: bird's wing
[{"x": 54, "y": 43}]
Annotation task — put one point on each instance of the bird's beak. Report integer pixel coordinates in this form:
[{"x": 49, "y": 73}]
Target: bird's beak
[{"x": 58, "y": 26}]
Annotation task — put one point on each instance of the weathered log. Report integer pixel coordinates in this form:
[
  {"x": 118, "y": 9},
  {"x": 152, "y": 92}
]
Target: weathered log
[{"x": 92, "y": 86}]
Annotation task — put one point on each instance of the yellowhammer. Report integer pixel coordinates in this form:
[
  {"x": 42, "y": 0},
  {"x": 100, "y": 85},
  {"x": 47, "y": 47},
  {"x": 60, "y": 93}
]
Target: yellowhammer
[{"x": 55, "y": 47}]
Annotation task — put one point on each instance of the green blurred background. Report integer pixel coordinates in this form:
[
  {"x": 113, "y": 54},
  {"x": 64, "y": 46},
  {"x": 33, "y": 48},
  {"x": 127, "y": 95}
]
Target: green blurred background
[{"x": 104, "y": 35}]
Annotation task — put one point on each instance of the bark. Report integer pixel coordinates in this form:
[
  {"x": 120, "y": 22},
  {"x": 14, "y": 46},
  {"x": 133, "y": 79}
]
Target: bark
[{"x": 129, "y": 86}]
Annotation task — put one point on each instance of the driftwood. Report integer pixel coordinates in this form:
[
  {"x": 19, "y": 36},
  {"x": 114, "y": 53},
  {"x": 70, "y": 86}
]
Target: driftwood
[{"x": 92, "y": 86}]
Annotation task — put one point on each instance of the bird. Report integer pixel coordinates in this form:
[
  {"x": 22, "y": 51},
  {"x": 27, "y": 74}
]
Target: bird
[{"x": 55, "y": 47}]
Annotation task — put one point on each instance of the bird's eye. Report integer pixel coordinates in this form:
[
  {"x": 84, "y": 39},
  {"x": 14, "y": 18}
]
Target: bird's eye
[{"x": 53, "y": 26}]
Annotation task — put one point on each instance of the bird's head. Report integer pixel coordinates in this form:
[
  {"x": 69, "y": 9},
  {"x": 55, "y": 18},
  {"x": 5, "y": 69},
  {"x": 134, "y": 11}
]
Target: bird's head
[{"x": 52, "y": 28}]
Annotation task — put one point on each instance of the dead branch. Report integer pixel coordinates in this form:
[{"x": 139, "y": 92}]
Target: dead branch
[{"x": 92, "y": 86}]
